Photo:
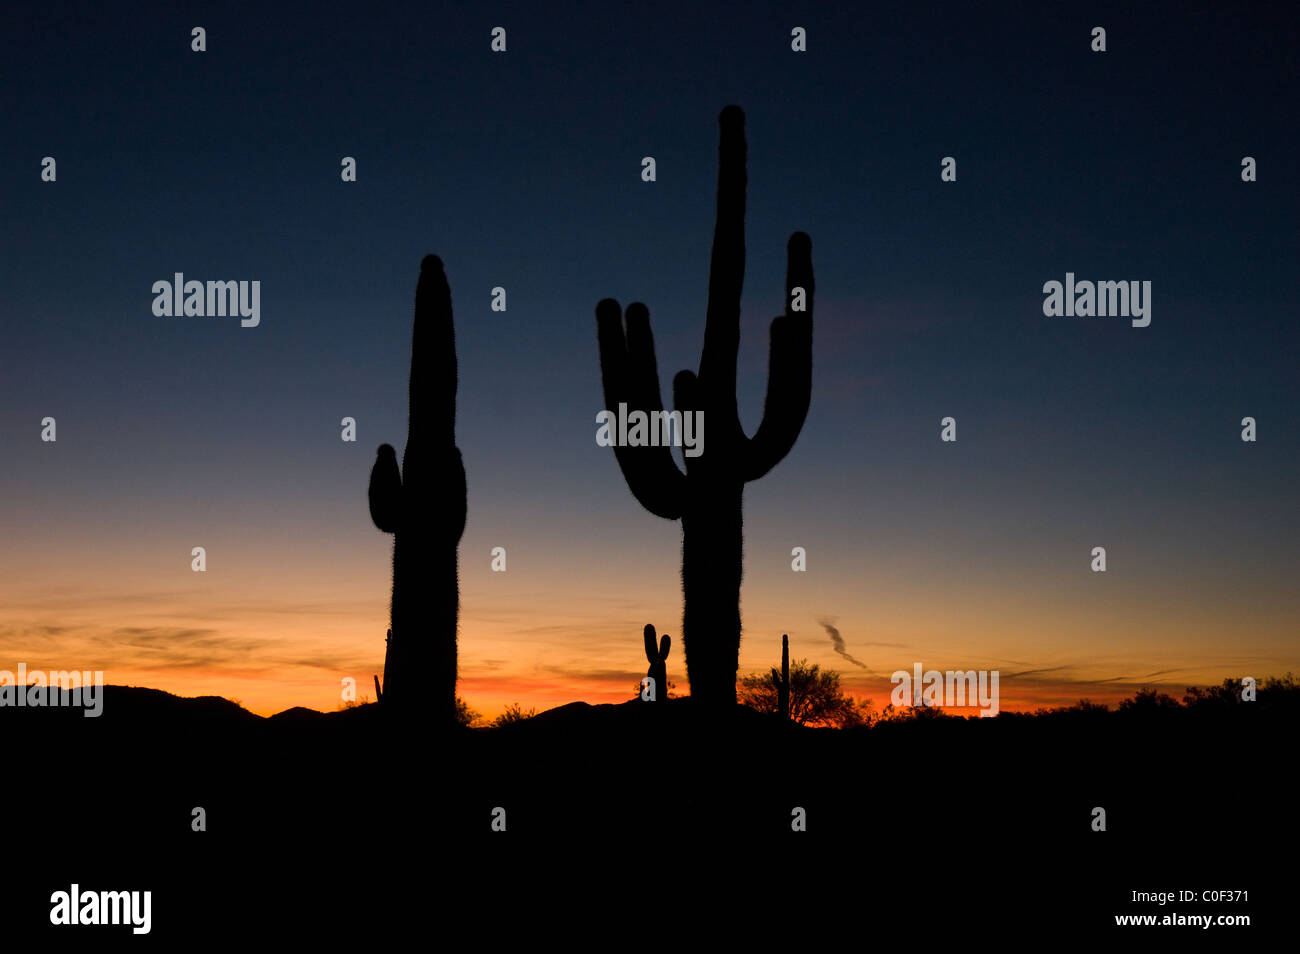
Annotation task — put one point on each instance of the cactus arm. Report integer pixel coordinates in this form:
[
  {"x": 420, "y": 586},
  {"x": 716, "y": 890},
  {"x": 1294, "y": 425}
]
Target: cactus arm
[
  {"x": 385, "y": 490},
  {"x": 643, "y": 370},
  {"x": 783, "y": 679},
  {"x": 789, "y": 376},
  {"x": 664, "y": 644},
  {"x": 650, "y": 643},
  {"x": 629, "y": 376}
]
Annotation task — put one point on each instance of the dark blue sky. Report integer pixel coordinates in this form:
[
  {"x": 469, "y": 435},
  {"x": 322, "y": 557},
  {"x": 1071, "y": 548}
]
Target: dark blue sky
[{"x": 523, "y": 170}]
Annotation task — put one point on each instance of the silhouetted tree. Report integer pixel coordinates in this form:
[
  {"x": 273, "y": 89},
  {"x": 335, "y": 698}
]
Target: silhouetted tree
[
  {"x": 465, "y": 715},
  {"x": 1227, "y": 693},
  {"x": 707, "y": 497},
  {"x": 853, "y": 713},
  {"x": 1087, "y": 705},
  {"x": 815, "y": 696},
  {"x": 1271, "y": 691},
  {"x": 1281, "y": 690},
  {"x": 912, "y": 713},
  {"x": 423, "y": 506},
  {"x": 926, "y": 712},
  {"x": 513, "y": 713},
  {"x": 1149, "y": 700}
]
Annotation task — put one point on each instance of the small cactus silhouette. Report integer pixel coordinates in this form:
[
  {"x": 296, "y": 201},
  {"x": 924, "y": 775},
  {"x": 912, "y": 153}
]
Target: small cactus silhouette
[
  {"x": 658, "y": 658},
  {"x": 423, "y": 506},
  {"x": 707, "y": 497},
  {"x": 783, "y": 687}
]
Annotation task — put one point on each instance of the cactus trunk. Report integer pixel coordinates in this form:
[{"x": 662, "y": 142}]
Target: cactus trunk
[
  {"x": 423, "y": 506},
  {"x": 711, "y": 573},
  {"x": 783, "y": 687},
  {"x": 421, "y": 664}
]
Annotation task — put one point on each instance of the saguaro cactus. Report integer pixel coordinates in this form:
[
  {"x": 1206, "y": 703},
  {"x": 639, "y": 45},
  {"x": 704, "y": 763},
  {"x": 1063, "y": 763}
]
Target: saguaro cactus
[
  {"x": 783, "y": 687},
  {"x": 658, "y": 658},
  {"x": 707, "y": 497},
  {"x": 423, "y": 506}
]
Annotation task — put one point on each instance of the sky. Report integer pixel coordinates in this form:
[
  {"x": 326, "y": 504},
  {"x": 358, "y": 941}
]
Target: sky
[{"x": 522, "y": 170}]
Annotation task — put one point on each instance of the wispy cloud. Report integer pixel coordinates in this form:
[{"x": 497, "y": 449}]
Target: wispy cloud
[{"x": 837, "y": 641}]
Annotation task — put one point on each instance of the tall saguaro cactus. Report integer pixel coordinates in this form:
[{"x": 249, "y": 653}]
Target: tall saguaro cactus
[
  {"x": 783, "y": 687},
  {"x": 707, "y": 497},
  {"x": 423, "y": 506},
  {"x": 658, "y": 659}
]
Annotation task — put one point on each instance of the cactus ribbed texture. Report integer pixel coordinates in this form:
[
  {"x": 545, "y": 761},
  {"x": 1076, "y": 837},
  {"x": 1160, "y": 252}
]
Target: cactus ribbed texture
[
  {"x": 707, "y": 497},
  {"x": 423, "y": 506}
]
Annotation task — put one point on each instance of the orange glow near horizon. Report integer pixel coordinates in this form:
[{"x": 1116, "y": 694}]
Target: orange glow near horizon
[
  {"x": 272, "y": 658},
  {"x": 283, "y": 624}
]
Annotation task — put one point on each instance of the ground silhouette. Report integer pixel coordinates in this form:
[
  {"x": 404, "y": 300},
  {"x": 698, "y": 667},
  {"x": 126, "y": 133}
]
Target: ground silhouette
[
  {"x": 1174, "y": 769},
  {"x": 311, "y": 812}
]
